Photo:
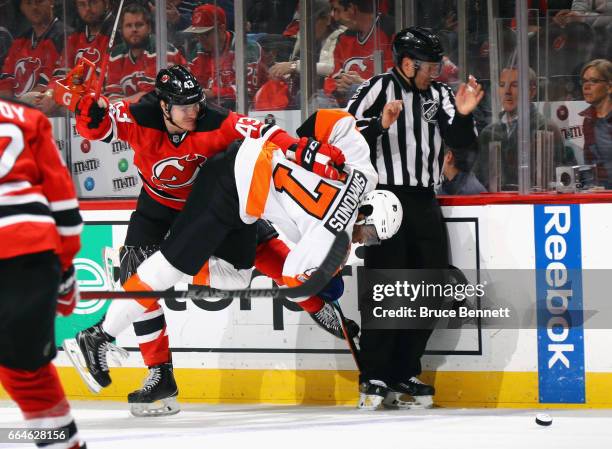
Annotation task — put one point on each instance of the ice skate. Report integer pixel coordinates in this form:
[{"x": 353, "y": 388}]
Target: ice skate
[
  {"x": 157, "y": 397},
  {"x": 371, "y": 394},
  {"x": 328, "y": 319},
  {"x": 410, "y": 394},
  {"x": 88, "y": 354}
]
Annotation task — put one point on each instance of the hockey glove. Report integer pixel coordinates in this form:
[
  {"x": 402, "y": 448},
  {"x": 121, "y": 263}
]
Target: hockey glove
[
  {"x": 92, "y": 120},
  {"x": 68, "y": 292},
  {"x": 321, "y": 158},
  {"x": 333, "y": 290}
]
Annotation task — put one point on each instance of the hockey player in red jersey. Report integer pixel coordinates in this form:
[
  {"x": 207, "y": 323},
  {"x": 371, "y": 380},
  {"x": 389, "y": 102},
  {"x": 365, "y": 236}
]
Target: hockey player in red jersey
[
  {"x": 173, "y": 132},
  {"x": 40, "y": 226}
]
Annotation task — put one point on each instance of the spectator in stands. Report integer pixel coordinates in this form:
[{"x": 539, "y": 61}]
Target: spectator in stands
[
  {"x": 597, "y": 126},
  {"x": 505, "y": 132},
  {"x": 326, "y": 33},
  {"x": 266, "y": 93},
  {"x": 132, "y": 65},
  {"x": 178, "y": 16},
  {"x": 212, "y": 61},
  {"x": 366, "y": 32},
  {"x": 34, "y": 55},
  {"x": 89, "y": 41},
  {"x": 457, "y": 175}
]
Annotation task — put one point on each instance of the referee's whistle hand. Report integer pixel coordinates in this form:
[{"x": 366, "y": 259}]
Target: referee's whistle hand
[{"x": 391, "y": 112}]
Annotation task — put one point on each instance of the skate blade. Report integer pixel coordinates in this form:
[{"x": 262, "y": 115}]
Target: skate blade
[
  {"x": 71, "y": 347},
  {"x": 369, "y": 402},
  {"x": 163, "y": 407},
  {"x": 400, "y": 401}
]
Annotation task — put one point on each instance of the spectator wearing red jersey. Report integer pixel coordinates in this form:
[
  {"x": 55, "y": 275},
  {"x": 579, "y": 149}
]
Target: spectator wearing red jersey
[
  {"x": 132, "y": 65},
  {"x": 34, "y": 55},
  {"x": 212, "y": 60},
  {"x": 354, "y": 53},
  {"x": 90, "y": 42}
]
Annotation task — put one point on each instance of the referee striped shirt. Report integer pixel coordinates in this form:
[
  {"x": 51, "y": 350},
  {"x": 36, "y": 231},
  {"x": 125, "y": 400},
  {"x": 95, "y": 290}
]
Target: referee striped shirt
[{"x": 410, "y": 152}]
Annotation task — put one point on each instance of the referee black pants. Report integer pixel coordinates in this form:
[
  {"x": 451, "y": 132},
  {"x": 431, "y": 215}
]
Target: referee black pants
[{"x": 394, "y": 355}]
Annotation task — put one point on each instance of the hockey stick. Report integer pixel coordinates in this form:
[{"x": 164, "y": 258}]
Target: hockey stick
[
  {"x": 315, "y": 283},
  {"x": 351, "y": 343},
  {"x": 108, "y": 51}
]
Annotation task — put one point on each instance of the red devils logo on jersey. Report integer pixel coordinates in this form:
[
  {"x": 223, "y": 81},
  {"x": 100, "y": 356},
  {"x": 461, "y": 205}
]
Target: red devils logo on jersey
[
  {"x": 177, "y": 172},
  {"x": 355, "y": 64},
  {"x": 89, "y": 53},
  {"x": 26, "y": 74}
]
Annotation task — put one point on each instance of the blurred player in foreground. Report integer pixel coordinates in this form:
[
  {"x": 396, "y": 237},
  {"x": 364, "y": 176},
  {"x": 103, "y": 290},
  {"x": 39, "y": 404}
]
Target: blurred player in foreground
[{"x": 40, "y": 228}]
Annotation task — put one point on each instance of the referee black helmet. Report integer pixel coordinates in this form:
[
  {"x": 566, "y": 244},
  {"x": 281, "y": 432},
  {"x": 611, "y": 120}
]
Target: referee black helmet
[{"x": 417, "y": 43}]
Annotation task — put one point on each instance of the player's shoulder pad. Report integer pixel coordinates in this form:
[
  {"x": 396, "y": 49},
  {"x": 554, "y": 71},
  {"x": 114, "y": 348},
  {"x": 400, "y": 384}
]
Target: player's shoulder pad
[
  {"x": 147, "y": 112},
  {"x": 213, "y": 117},
  {"x": 320, "y": 124}
]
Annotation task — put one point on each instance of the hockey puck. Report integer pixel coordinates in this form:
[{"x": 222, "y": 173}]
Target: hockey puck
[{"x": 543, "y": 419}]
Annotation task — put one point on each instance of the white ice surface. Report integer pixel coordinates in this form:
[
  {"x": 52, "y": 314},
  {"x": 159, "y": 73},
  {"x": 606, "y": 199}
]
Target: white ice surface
[{"x": 109, "y": 425}]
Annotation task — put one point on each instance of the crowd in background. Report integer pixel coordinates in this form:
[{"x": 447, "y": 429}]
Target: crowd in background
[{"x": 41, "y": 40}]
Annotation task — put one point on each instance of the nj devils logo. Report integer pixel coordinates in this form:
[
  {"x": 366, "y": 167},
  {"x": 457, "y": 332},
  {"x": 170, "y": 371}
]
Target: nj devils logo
[
  {"x": 26, "y": 74},
  {"x": 177, "y": 172},
  {"x": 355, "y": 64},
  {"x": 91, "y": 54}
]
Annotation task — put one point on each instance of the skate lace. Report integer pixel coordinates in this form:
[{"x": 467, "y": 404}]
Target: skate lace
[
  {"x": 152, "y": 379},
  {"x": 102, "y": 356},
  {"x": 327, "y": 318},
  {"x": 415, "y": 380}
]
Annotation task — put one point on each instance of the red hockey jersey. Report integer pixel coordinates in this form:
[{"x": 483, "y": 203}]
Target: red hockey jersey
[
  {"x": 128, "y": 76},
  {"x": 81, "y": 45},
  {"x": 356, "y": 54},
  {"x": 168, "y": 165},
  {"x": 31, "y": 62},
  {"x": 38, "y": 206}
]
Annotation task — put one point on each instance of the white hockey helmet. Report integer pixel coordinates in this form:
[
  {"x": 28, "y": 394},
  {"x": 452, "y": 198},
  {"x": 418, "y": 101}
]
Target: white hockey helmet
[{"x": 383, "y": 211}]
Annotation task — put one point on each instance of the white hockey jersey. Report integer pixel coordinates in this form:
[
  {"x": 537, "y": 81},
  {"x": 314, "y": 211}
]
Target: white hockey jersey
[{"x": 308, "y": 209}]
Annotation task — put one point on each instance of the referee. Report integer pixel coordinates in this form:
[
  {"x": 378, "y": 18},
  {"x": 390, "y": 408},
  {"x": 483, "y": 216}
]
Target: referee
[{"x": 406, "y": 118}]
